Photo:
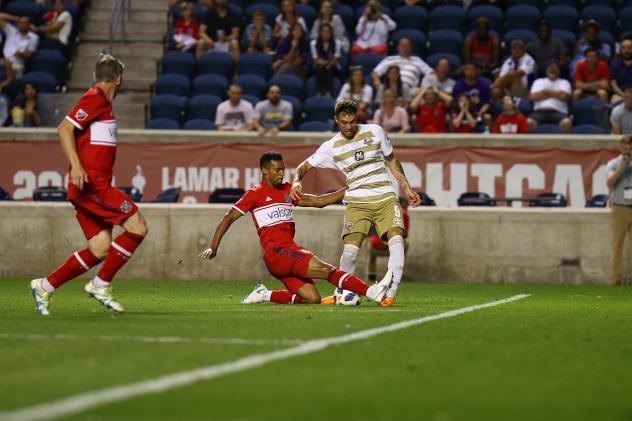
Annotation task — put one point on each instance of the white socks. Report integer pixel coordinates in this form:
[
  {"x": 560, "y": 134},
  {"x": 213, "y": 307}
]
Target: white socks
[
  {"x": 47, "y": 286},
  {"x": 395, "y": 262},
  {"x": 266, "y": 296},
  {"x": 348, "y": 258},
  {"x": 99, "y": 283}
]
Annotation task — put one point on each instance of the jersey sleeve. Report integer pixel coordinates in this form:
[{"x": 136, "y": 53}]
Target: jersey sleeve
[
  {"x": 246, "y": 202},
  {"x": 323, "y": 157},
  {"x": 385, "y": 141},
  {"x": 88, "y": 109}
]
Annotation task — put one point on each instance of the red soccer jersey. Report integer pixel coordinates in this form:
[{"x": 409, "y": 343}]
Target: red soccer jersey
[
  {"x": 511, "y": 124},
  {"x": 272, "y": 213},
  {"x": 583, "y": 73}
]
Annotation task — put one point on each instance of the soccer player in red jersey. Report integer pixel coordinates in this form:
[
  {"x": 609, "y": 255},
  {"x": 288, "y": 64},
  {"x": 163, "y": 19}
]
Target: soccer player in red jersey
[
  {"x": 88, "y": 137},
  {"x": 295, "y": 266}
]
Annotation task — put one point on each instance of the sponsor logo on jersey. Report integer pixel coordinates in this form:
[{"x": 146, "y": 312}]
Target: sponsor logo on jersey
[
  {"x": 359, "y": 156},
  {"x": 273, "y": 215},
  {"x": 288, "y": 199},
  {"x": 81, "y": 115},
  {"x": 268, "y": 199},
  {"x": 126, "y": 206}
]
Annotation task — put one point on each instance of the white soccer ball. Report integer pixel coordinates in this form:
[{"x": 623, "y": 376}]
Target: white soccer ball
[{"x": 344, "y": 297}]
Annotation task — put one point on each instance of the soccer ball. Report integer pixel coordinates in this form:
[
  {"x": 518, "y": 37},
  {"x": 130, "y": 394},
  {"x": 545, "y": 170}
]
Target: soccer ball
[{"x": 344, "y": 297}]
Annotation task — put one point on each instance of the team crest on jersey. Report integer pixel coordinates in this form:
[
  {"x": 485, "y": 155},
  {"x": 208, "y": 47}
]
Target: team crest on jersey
[
  {"x": 359, "y": 156},
  {"x": 126, "y": 206},
  {"x": 81, "y": 115},
  {"x": 288, "y": 199},
  {"x": 368, "y": 141},
  {"x": 348, "y": 226}
]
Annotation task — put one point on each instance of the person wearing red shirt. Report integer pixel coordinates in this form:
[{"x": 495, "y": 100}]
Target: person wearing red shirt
[
  {"x": 591, "y": 76},
  {"x": 187, "y": 32},
  {"x": 88, "y": 137},
  {"x": 271, "y": 205},
  {"x": 482, "y": 48},
  {"x": 431, "y": 111},
  {"x": 511, "y": 121}
]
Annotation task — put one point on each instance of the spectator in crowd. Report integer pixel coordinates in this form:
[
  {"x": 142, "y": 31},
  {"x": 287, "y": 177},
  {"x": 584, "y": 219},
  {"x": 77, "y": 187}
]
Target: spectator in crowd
[
  {"x": 20, "y": 43},
  {"x": 292, "y": 56},
  {"x": 327, "y": 16},
  {"x": 27, "y": 104},
  {"x": 550, "y": 95},
  {"x": 463, "y": 117},
  {"x": 591, "y": 77},
  {"x": 621, "y": 71},
  {"x": 589, "y": 39},
  {"x": 430, "y": 111},
  {"x": 477, "y": 89},
  {"x": 411, "y": 67},
  {"x": 325, "y": 55},
  {"x": 513, "y": 78},
  {"x": 392, "y": 117},
  {"x": 482, "y": 48},
  {"x": 621, "y": 117},
  {"x": 6, "y": 79},
  {"x": 219, "y": 31},
  {"x": 286, "y": 20},
  {"x": 511, "y": 121},
  {"x": 258, "y": 35},
  {"x": 392, "y": 80},
  {"x": 619, "y": 176},
  {"x": 377, "y": 247},
  {"x": 56, "y": 33},
  {"x": 441, "y": 80},
  {"x": 234, "y": 114},
  {"x": 372, "y": 30},
  {"x": 359, "y": 91},
  {"x": 273, "y": 114},
  {"x": 187, "y": 32},
  {"x": 547, "y": 48}
]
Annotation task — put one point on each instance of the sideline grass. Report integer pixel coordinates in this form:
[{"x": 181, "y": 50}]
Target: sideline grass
[{"x": 563, "y": 353}]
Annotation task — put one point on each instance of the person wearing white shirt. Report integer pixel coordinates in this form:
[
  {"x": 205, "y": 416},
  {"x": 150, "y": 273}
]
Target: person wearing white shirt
[
  {"x": 514, "y": 73},
  {"x": 550, "y": 95},
  {"x": 327, "y": 16},
  {"x": 20, "y": 43},
  {"x": 57, "y": 31},
  {"x": 411, "y": 68},
  {"x": 372, "y": 31},
  {"x": 284, "y": 21},
  {"x": 357, "y": 90}
]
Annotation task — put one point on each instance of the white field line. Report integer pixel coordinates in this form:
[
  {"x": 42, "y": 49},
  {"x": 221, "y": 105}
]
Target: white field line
[
  {"x": 150, "y": 339},
  {"x": 84, "y": 401}
]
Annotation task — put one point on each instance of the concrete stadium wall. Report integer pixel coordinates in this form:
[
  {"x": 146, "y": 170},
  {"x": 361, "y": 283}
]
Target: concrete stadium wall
[{"x": 466, "y": 245}]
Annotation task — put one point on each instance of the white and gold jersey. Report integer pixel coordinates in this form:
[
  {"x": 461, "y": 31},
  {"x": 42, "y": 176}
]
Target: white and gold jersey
[{"x": 361, "y": 159}]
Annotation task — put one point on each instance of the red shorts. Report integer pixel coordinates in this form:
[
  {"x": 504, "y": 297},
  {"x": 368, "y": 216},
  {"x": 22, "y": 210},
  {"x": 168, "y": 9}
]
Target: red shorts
[
  {"x": 289, "y": 263},
  {"x": 377, "y": 243},
  {"x": 100, "y": 206}
]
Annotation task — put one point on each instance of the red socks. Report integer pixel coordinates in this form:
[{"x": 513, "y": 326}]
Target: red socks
[
  {"x": 121, "y": 249},
  {"x": 284, "y": 297},
  {"x": 347, "y": 281},
  {"x": 78, "y": 263}
]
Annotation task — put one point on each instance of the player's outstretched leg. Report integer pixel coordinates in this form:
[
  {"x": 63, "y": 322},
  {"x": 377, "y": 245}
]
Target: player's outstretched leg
[{"x": 260, "y": 294}]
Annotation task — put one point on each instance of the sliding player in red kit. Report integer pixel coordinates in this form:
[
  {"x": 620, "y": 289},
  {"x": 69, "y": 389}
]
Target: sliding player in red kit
[
  {"x": 295, "y": 266},
  {"x": 88, "y": 137}
]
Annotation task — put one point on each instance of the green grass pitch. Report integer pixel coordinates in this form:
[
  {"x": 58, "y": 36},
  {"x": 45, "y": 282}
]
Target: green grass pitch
[{"x": 564, "y": 353}]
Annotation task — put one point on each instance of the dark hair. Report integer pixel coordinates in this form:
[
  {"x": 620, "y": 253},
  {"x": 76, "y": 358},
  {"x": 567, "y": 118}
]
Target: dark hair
[
  {"x": 331, "y": 47},
  {"x": 627, "y": 139},
  {"x": 347, "y": 106},
  {"x": 399, "y": 91},
  {"x": 268, "y": 157},
  {"x": 591, "y": 49}
]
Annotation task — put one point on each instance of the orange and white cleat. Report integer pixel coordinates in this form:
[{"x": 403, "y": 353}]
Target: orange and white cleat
[
  {"x": 328, "y": 300},
  {"x": 387, "y": 302}
]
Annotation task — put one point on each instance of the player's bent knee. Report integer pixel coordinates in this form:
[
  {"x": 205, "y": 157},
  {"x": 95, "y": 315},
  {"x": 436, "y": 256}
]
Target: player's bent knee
[{"x": 136, "y": 224}]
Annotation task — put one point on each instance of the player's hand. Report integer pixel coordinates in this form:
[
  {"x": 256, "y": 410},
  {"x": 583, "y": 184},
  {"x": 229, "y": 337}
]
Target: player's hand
[
  {"x": 78, "y": 176},
  {"x": 209, "y": 254},
  {"x": 413, "y": 197},
  {"x": 261, "y": 131},
  {"x": 297, "y": 191}
]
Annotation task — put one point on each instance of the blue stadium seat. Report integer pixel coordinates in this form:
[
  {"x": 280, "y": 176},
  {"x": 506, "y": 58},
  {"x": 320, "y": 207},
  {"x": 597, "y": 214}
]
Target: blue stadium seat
[
  {"x": 625, "y": 18},
  {"x": 605, "y": 16},
  {"x": 523, "y": 34},
  {"x": 548, "y": 129},
  {"x": 170, "y": 195},
  {"x": 48, "y": 61},
  {"x": 310, "y": 87},
  {"x": 43, "y": 81},
  {"x": 493, "y": 13},
  {"x": 319, "y": 108},
  {"x": 523, "y": 17},
  {"x": 132, "y": 192},
  {"x": 567, "y": 37},
  {"x": 562, "y": 17},
  {"x": 570, "y": 3},
  {"x": 447, "y": 16},
  {"x": 588, "y": 129},
  {"x": 417, "y": 39},
  {"x": 607, "y": 3},
  {"x": 162, "y": 124},
  {"x": 411, "y": 17},
  {"x": 525, "y": 107},
  {"x": 177, "y": 62},
  {"x": 215, "y": 63},
  {"x": 455, "y": 61},
  {"x": 173, "y": 84},
  {"x": 49, "y": 194},
  {"x": 167, "y": 106},
  {"x": 598, "y": 201},
  {"x": 475, "y": 199},
  {"x": 314, "y": 126},
  {"x": 308, "y": 13},
  {"x": 269, "y": 10},
  {"x": 367, "y": 61},
  {"x": 347, "y": 15},
  {"x": 251, "y": 99},
  {"x": 289, "y": 84},
  {"x": 548, "y": 200},
  {"x": 226, "y": 195},
  {"x": 251, "y": 84},
  {"x": 26, "y": 8},
  {"x": 534, "y": 3},
  {"x": 588, "y": 111},
  {"x": 297, "y": 108},
  {"x": 203, "y": 107},
  {"x": 426, "y": 200},
  {"x": 255, "y": 64},
  {"x": 445, "y": 41},
  {"x": 604, "y": 36},
  {"x": 210, "y": 85},
  {"x": 4, "y": 195},
  {"x": 199, "y": 124}
]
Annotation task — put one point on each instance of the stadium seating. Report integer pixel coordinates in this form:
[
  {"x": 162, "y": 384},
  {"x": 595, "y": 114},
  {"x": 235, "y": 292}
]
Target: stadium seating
[
  {"x": 525, "y": 107},
  {"x": 605, "y": 16},
  {"x": 173, "y": 84},
  {"x": 411, "y": 17},
  {"x": 289, "y": 84},
  {"x": 43, "y": 81},
  {"x": 308, "y": 13},
  {"x": 548, "y": 129},
  {"x": 417, "y": 39},
  {"x": 269, "y": 10},
  {"x": 426, "y": 200},
  {"x": 311, "y": 90},
  {"x": 251, "y": 85},
  {"x": 625, "y": 19},
  {"x": 523, "y": 17},
  {"x": 548, "y": 200},
  {"x": 447, "y": 17},
  {"x": 259, "y": 64},
  {"x": 199, "y": 124},
  {"x": 598, "y": 201},
  {"x": 26, "y": 8},
  {"x": 493, "y": 13},
  {"x": 4, "y": 195},
  {"x": 210, "y": 85},
  {"x": 314, "y": 126},
  {"x": 367, "y": 61},
  {"x": 215, "y": 63},
  {"x": 319, "y": 108},
  {"x": 177, "y": 62},
  {"x": 132, "y": 192},
  {"x": 347, "y": 15},
  {"x": 562, "y": 17},
  {"x": 445, "y": 41},
  {"x": 455, "y": 61},
  {"x": 167, "y": 106},
  {"x": 50, "y": 194},
  {"x": 48, "y": 61},
  {"x": 203, "y": 107},
  {"x": 297, "y": 108},
  {"x": 525, "y": 35},
  {"x": 475, "y": 199},
  {"x": 226, "y": 195},
  {"x": 588, "y": 111},
  {"x": 588, "y": 129},
  {"x": 162, "y": 124},
  {"x": 251, "y": 99},
  {"x": 567, "y": 37},
  {"x": 170, "y": 195}
]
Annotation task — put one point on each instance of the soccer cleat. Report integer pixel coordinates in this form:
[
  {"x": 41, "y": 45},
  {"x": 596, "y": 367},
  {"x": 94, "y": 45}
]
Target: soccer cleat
[
  {"x": 387, "y": 302},
  {"x": 384, "y": 285},
  {"x": 255, "y": 296},
  {"x": 328, "y": 300},
  {"x": 104, "y": 296},
  {"x": 42, "y": 298}
]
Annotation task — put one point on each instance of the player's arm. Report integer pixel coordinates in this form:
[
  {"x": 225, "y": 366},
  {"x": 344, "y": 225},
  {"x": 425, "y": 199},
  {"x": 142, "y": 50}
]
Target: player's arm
[
  {"x": 227, "y": 220},
  {"x": 66, "y": 132},
  {"x": 320, "y": 201},
  {"x": 297, "y": 188},
  {"x": 398, "y": 171}
]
